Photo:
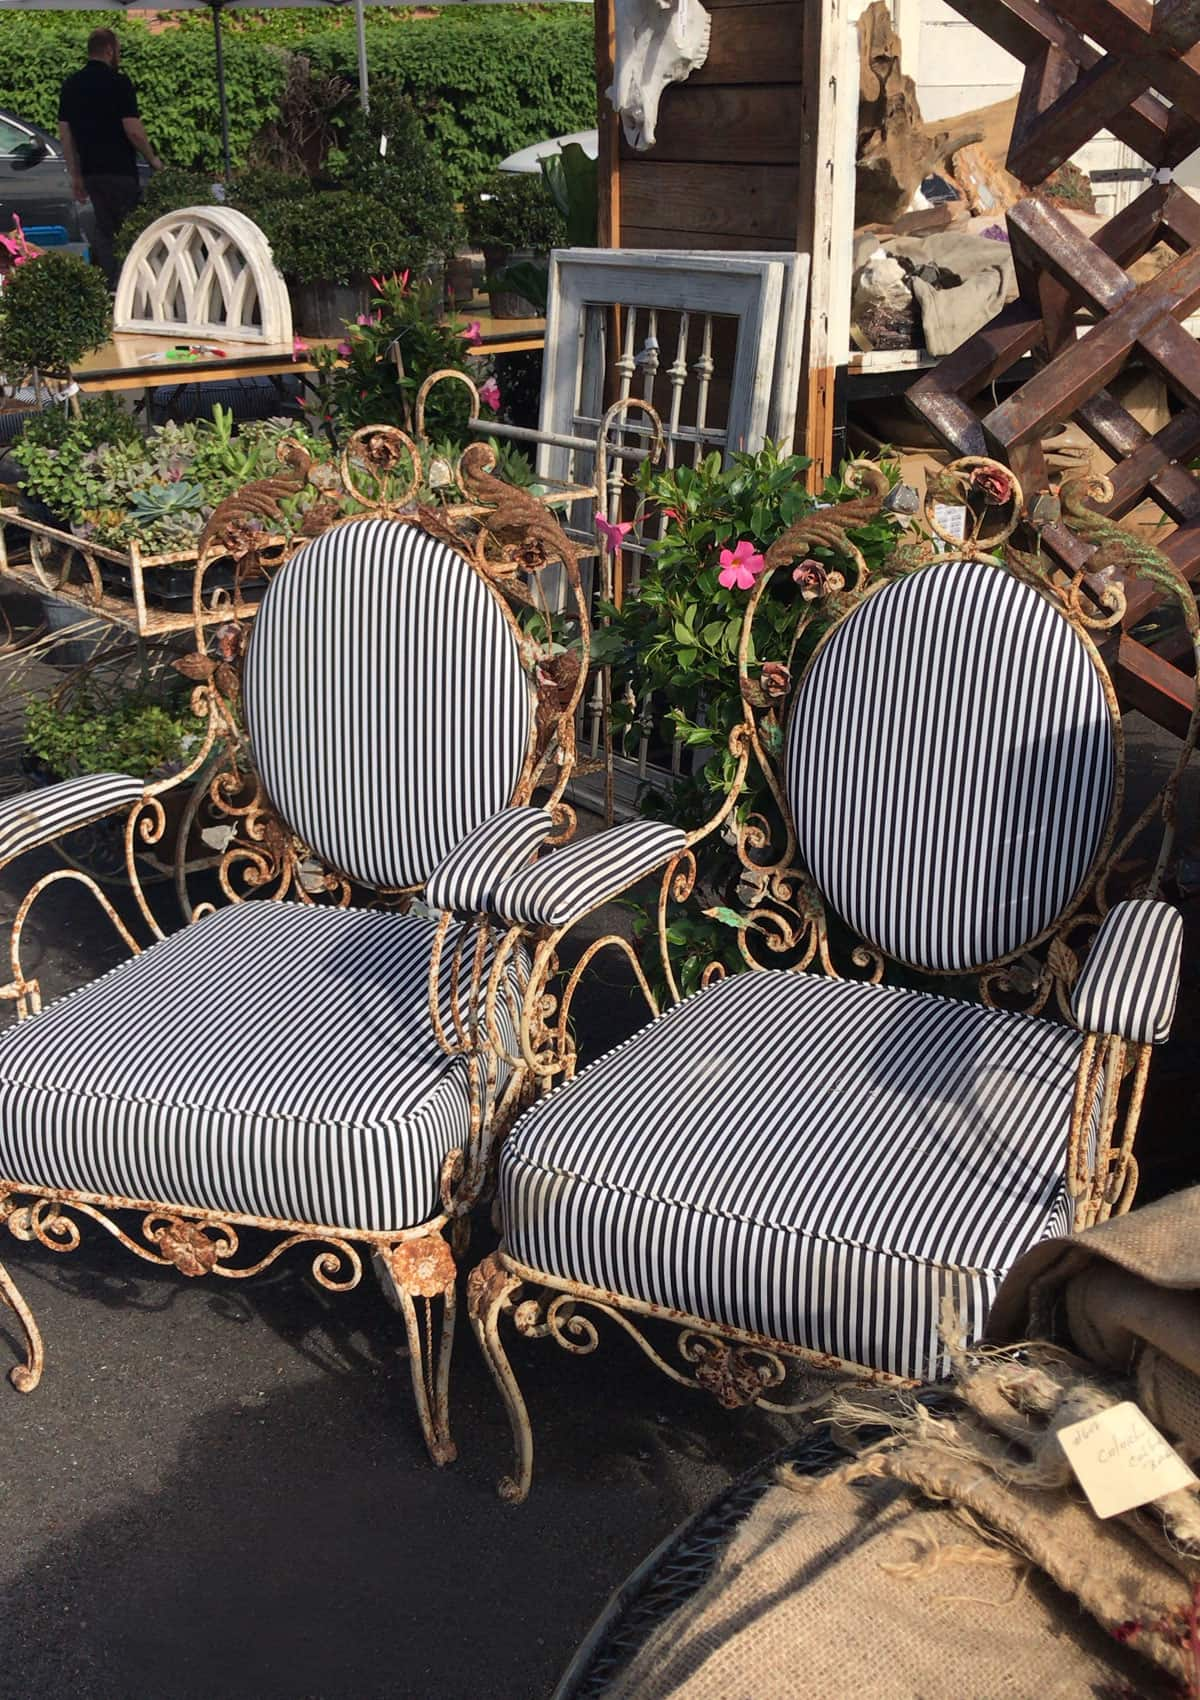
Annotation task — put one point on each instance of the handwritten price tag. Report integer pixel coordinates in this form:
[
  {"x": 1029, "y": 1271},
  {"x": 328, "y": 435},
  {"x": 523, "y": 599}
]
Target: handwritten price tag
[{"x": 1121, "y": 1460}]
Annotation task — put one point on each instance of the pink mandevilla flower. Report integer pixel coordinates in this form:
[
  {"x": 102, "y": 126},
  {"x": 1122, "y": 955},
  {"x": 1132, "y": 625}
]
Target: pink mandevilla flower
[
  {"x": 472, "y": 332},
  {"x": 299, "y": 347},
  {"x": 343, "y": 349},
  {"x": 740, "y": 566},
  {"x": 613, "y": 535},
  {"x": 489, "y": 395}
]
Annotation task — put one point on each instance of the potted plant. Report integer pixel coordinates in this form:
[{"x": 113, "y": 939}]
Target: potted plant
[
  {"x": 328, "y": 246},
  {"x": 90, "y": 726},
  {"x": 385, "y": 153},
  {"x": 514, "y": 219},
  {"x": 53, "y": 309}
]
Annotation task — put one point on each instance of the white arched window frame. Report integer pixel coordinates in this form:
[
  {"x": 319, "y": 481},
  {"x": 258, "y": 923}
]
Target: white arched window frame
[{"x": 203, "y": 272}]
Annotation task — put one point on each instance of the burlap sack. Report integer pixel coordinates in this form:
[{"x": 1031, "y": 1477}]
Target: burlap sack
[
  {"x": 856, "y": 1587},
  {"x": 1125, "y": 1296}
]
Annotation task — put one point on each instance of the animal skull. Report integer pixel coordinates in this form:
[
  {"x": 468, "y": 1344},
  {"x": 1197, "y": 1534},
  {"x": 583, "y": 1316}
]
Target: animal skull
[{"x": 657, "y": 42}]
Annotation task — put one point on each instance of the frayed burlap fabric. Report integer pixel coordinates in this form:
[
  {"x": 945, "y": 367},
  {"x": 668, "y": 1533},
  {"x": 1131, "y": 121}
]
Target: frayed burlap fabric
[{"x": 956, "y": 1558}]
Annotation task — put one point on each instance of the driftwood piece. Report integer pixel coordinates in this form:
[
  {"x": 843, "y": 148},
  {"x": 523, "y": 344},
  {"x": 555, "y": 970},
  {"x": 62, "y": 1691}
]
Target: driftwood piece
[{"x": 896, "y": 149}]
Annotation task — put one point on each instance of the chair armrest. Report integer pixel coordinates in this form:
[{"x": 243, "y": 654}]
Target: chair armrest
[
  {"x": 1131, "y": 976},
  {"x": 569, "y": 882},
  {"x": 40, "y": 816},
  {"x": 466, "y": 879}
]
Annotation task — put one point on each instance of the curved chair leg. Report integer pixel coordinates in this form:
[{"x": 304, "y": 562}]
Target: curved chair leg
[
  {"x": 490, "y": 1290},
  {"x": 422, "y": 1272},
  {"x": 26, "y": 1376}
]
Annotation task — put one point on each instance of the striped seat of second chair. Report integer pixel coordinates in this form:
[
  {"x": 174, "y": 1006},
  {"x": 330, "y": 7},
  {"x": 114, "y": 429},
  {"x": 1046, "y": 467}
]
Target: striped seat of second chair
[
  {"x": 819, "y": 1161},
  {"x": 274, "y": 1060}
]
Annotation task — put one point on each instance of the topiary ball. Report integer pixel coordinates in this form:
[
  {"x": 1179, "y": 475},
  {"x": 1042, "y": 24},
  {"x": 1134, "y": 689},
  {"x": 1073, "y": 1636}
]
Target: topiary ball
[{"x": 52, "y": 311}]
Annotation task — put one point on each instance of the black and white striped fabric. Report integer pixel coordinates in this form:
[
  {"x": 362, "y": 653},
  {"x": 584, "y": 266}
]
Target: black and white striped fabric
[
  {"x": 819, "y": 1161},
  {"x": 950, "y": 766},
  {"x": 272, "y": 1060},
  {"x": 1130, "y": 980},
  {"x": 567, "y": 883},
  {"x": 385, "y": 698},
  {"x": 38, "y": 817},
  {"x": 465, "y": 881}
]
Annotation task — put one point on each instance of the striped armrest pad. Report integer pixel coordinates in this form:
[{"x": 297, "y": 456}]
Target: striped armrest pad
[
  {"x": 465, "y": 881},
  {"x": 1131, "y": 976},
  {"x": 37, "y": 817},
  {"x": 569, "y": 882}
]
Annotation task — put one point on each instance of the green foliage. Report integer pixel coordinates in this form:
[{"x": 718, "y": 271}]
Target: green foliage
[
  {"x": 135, "y": 734},
  {"x": 338, "y": 237},
  {"x": 56, "y": 451},
  {"x": 52, "y": 310},
  {"x": 573, "y": 179},
  {"x": 673, "y": 648},
  {"x": 373, "y": 378},
  {"x": 485, "y": 79},
  {"x": 408, "y": 177},
  {"x": 101, "y": 477},
  {"x": 515, "y": 210}
]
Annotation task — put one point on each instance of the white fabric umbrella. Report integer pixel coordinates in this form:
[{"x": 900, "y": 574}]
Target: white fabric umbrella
[{"x": 529, "y": 159}]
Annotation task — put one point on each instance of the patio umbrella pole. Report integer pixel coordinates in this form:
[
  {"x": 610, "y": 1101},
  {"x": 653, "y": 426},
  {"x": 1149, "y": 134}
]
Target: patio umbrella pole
[
  {"x": 217, "y": 7},
  {"x": 360, "y": 37}
]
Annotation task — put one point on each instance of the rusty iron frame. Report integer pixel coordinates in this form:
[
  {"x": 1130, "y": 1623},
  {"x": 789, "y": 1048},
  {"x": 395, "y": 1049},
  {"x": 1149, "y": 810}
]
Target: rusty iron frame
[
  {"x": 507, "y": 538},
  {"x": 788, "y": 913}
]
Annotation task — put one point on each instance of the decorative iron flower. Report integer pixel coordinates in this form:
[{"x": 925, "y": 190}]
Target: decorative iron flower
[
  {"x": 993, "y": 484},
  {"x": 812, "y": 578},
  {"x": 775, "y": 679}
]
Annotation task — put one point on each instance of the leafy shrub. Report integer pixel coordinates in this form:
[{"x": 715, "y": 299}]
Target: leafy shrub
[
  {"x": 515, "y": 210},
  {"x": 134, "y": 735},
  {"x": 338, "y": 237},
  {"x": 485, "y": 79},
  {"x": 364, "y": 383},
  {"x": 408, "y": 177},
  {"x": 52, "y": 310}
]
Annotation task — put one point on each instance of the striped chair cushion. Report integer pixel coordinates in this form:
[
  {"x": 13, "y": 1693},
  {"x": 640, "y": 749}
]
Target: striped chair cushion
[
  {"x": 815, "y": 1160},
  {"x": 385, "y": 699},
  {"x": 466, "y": 880},
  {"x": 567, "y": 883},
  {"x": 273, "y": 1060},
  {"x": 38, "y": 817},
  {"x": 1131, "y": 978},
  {"x": 950, "y": 766}
]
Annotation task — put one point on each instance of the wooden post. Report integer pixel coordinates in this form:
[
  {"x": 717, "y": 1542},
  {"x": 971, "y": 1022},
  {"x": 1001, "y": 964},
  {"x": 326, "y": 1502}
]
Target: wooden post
[
  {"x": 608, "y": 126},
  {"x": 825, "y": 223}
]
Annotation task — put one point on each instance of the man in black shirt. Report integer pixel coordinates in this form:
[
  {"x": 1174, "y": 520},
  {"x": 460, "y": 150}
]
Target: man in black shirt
[{"x": 102, "y": 136}]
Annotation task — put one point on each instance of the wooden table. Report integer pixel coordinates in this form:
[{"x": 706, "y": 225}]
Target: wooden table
[{"x": 136, "y": 361}]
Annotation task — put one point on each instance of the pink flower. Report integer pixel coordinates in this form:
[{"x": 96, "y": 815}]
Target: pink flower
[
  {"x": 740, "y": 566},
  {"x": 613, "y": 535},
  {"x": 344, "y": 350},
  {"x": 489, "y": 395},
  {"x": 377, "y": 284},
  {"x": 472, "y": 332},
  {"x": 299, "y": 347}
]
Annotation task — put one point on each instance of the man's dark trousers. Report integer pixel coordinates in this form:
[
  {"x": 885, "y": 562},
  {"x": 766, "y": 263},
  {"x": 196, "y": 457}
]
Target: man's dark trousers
[{"x": 113, "y": 197}]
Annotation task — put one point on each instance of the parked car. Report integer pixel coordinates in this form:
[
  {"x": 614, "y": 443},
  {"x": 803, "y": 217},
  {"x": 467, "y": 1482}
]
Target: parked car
[{"x": 35, "y": 185}]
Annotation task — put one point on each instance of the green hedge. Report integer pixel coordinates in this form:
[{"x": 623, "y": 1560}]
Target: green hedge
[{"x": 486, "y": 79}]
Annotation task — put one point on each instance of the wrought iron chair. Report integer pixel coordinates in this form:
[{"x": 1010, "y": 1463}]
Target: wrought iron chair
[
  {"x": 336, "y": 1075},
  {"x": 800, "y": 1165}
]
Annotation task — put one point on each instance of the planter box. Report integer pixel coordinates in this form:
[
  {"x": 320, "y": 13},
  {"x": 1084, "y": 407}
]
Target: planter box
[
  {"x": 148, "y": 594},
  {"x": 325, "y": 309}
]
